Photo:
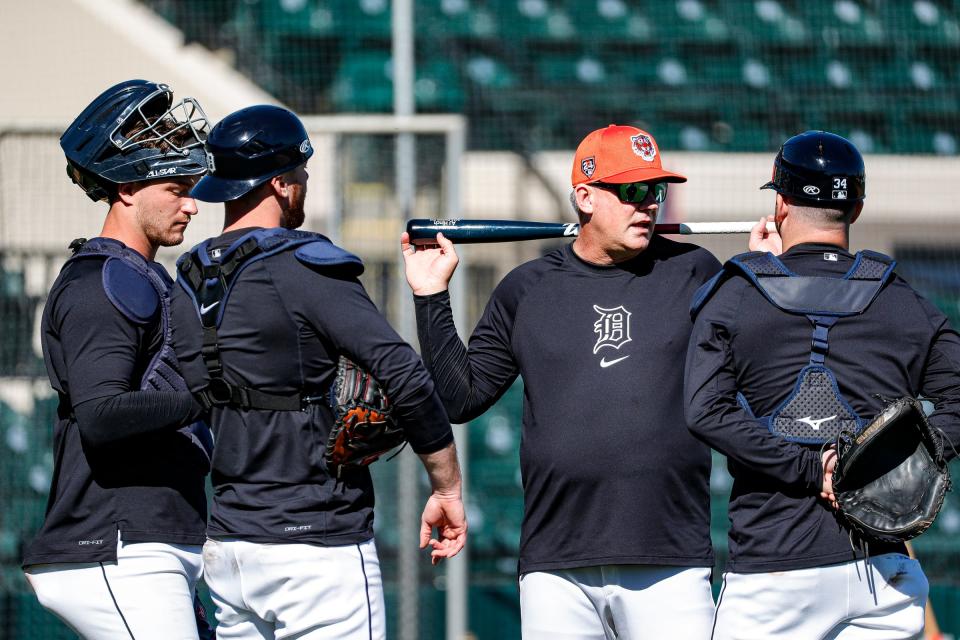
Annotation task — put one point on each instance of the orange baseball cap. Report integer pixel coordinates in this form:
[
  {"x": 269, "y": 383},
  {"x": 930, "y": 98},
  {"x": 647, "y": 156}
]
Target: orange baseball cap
[{"x": 619, "y": 154}]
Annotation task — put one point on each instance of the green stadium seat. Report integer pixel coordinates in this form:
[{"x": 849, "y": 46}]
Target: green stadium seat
[
  {"x": 612, "y": 22},
  {"x": 438, "y": 87},
  {"x": 712, "y": 66},
  {"x": 765, "y": 21},
  {"x": 779, "y": 122},
  {"x": 943, "y": 70},
  {"x": 746, "y": 135},
  {"x": 639, "y": 68},
  {"x": 888, "y": 72},
  {"x": 457, "y": 18},
  {"x": 363, "y": 83},
  {"x": 565, "y": 69},
  {"x": 932, "y": 126},
  {"x": 298, "y": 17},
  {"x": 366, "y": 19},
  {"x": 488, "y": 72},
  {"x": 298, "y": 67},
  {"x": 805, "y": 69},
  {"x": 844, "y": 22},
  {"x": 687, "y": 21},
  {"x": 921, "y": 21},
  {"x": 17, "y": 315},
  {"x": 533, "y": 20}
]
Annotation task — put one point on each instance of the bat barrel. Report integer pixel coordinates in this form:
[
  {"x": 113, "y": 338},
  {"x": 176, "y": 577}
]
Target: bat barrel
[{"x": 424, "y": 231}]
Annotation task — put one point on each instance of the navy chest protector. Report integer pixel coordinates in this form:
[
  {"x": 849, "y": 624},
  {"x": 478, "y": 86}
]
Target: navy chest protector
[
  {"x": 138, "y": 291},
  {"x": 815, "y": 412},
  {"x": 208, "y": 276}
]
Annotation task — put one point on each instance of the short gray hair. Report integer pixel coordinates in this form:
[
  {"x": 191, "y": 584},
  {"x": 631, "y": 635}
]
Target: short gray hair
[
  {"x": 573, "y": 203},
  {"x": 824, "y": 217}
]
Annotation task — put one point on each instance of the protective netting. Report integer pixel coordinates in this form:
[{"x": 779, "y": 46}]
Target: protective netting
[
  {"x": 532, "y": 78},
  {"x": 703, "y": 74}
]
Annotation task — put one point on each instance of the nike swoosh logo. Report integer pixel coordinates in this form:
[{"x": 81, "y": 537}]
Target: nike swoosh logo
[
  {"x": 815, "y": 423},
  {"x": 205, "y": 308},
  {"x": 607, "y": 363}
]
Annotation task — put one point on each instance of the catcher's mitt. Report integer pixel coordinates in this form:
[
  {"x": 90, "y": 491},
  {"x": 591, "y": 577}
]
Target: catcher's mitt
[
  {"x": 364, "y": 428},
  {"x": 891, "y": 478}
]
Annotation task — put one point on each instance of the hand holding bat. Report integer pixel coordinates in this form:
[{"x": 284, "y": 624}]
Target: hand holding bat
[{"x": 428, "y": 265}]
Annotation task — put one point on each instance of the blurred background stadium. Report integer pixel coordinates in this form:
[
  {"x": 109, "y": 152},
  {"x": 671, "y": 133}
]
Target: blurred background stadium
[{"x": 502, "y": 91}]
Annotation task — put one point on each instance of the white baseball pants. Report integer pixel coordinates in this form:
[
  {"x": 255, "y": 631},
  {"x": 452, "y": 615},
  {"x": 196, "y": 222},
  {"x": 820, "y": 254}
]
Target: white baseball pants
[
  {"x": 303, "y": 591},
  {"x": 628, "y": 602},
  {"x": 146, "y": 595},
  {"x": 882, "y": 599}
]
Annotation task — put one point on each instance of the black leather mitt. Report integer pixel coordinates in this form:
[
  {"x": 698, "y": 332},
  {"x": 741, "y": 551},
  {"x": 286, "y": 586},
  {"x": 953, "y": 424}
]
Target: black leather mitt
[{"x": 891, "y": 478}]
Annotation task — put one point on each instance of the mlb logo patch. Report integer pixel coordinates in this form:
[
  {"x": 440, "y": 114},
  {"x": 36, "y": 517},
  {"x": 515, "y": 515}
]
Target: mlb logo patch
[
  {"x": 588, "y": 166},
  {"x": 643, "y": 146},
  {"x": 839, "y": 194}
]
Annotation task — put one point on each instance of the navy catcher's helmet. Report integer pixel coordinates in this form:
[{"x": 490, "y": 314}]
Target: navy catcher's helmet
[
  {"x": 249, "y": 147},
  {"x": 819, "y": 167},
  {"x": 133, "y": 132}
]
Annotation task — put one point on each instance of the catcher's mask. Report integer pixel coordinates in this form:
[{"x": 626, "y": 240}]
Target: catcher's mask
[{"x": 133, "y": 132}]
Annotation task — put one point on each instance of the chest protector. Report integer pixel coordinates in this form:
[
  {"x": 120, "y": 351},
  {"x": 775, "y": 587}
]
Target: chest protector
[
  {"x": 815, "y": 412},
  {"x": 137, "y": 290},
  {"x": 208, "y": 276}
]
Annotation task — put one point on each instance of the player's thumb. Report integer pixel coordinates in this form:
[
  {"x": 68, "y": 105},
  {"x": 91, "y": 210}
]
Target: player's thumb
[{"x": 425, "y": 531}]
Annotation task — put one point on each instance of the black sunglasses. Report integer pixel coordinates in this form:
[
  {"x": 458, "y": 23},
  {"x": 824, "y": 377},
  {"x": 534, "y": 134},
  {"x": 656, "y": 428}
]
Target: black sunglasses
[{"x": 635, "y": 192}]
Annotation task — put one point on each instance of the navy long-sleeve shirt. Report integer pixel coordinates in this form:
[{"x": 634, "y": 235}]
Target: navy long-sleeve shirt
[
  {"x": 610, "y": 473},
  {"x": 284, "y": 326},
  {"x": 900, "y": 345},
  {"x": 119, "y": 463}
]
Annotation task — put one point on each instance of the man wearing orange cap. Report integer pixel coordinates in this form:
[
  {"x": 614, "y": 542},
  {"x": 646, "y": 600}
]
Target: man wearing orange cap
[{"x": 615, "y": 540}]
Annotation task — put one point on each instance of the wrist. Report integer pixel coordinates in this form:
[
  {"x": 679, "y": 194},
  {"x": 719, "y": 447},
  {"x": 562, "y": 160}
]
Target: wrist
[
  {"x": 430, "y": 290},
  {"x": 447, "y": 487},
  {"x": 447, "y": 494}
]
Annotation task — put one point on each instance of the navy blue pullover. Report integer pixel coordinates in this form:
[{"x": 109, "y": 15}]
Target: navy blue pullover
[
  {"x": 119, "y": 464},
  {"x": 900, "y": 345},
  {"x": 610, "y": 473},
  {"x": 283, "y": 329}
]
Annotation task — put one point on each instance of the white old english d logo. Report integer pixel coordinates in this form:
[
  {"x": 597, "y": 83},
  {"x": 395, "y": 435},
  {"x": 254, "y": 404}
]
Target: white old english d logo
[{"x": 613, "y": 327}]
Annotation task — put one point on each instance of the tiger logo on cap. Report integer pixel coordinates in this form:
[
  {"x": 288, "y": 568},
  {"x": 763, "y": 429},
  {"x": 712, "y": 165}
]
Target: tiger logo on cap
[{"x": 643, "y": 146}]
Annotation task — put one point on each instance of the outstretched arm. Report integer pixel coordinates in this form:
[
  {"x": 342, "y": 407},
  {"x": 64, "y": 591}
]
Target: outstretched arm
[{"x": 470, "y": 380}]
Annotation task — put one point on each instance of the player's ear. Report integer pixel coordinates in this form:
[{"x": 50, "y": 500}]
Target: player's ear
[
  {"x": 278, "y": 185},
  {"x": 584, "y": 198},
  {"x": 856, "y": 212},
  {"x": 782, "y": 208},
  {"x": 126, "y": 191}
]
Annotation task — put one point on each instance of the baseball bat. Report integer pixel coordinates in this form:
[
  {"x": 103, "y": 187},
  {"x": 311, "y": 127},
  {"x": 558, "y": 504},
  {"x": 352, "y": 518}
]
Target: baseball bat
[{"x": 424, "y": 231}]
